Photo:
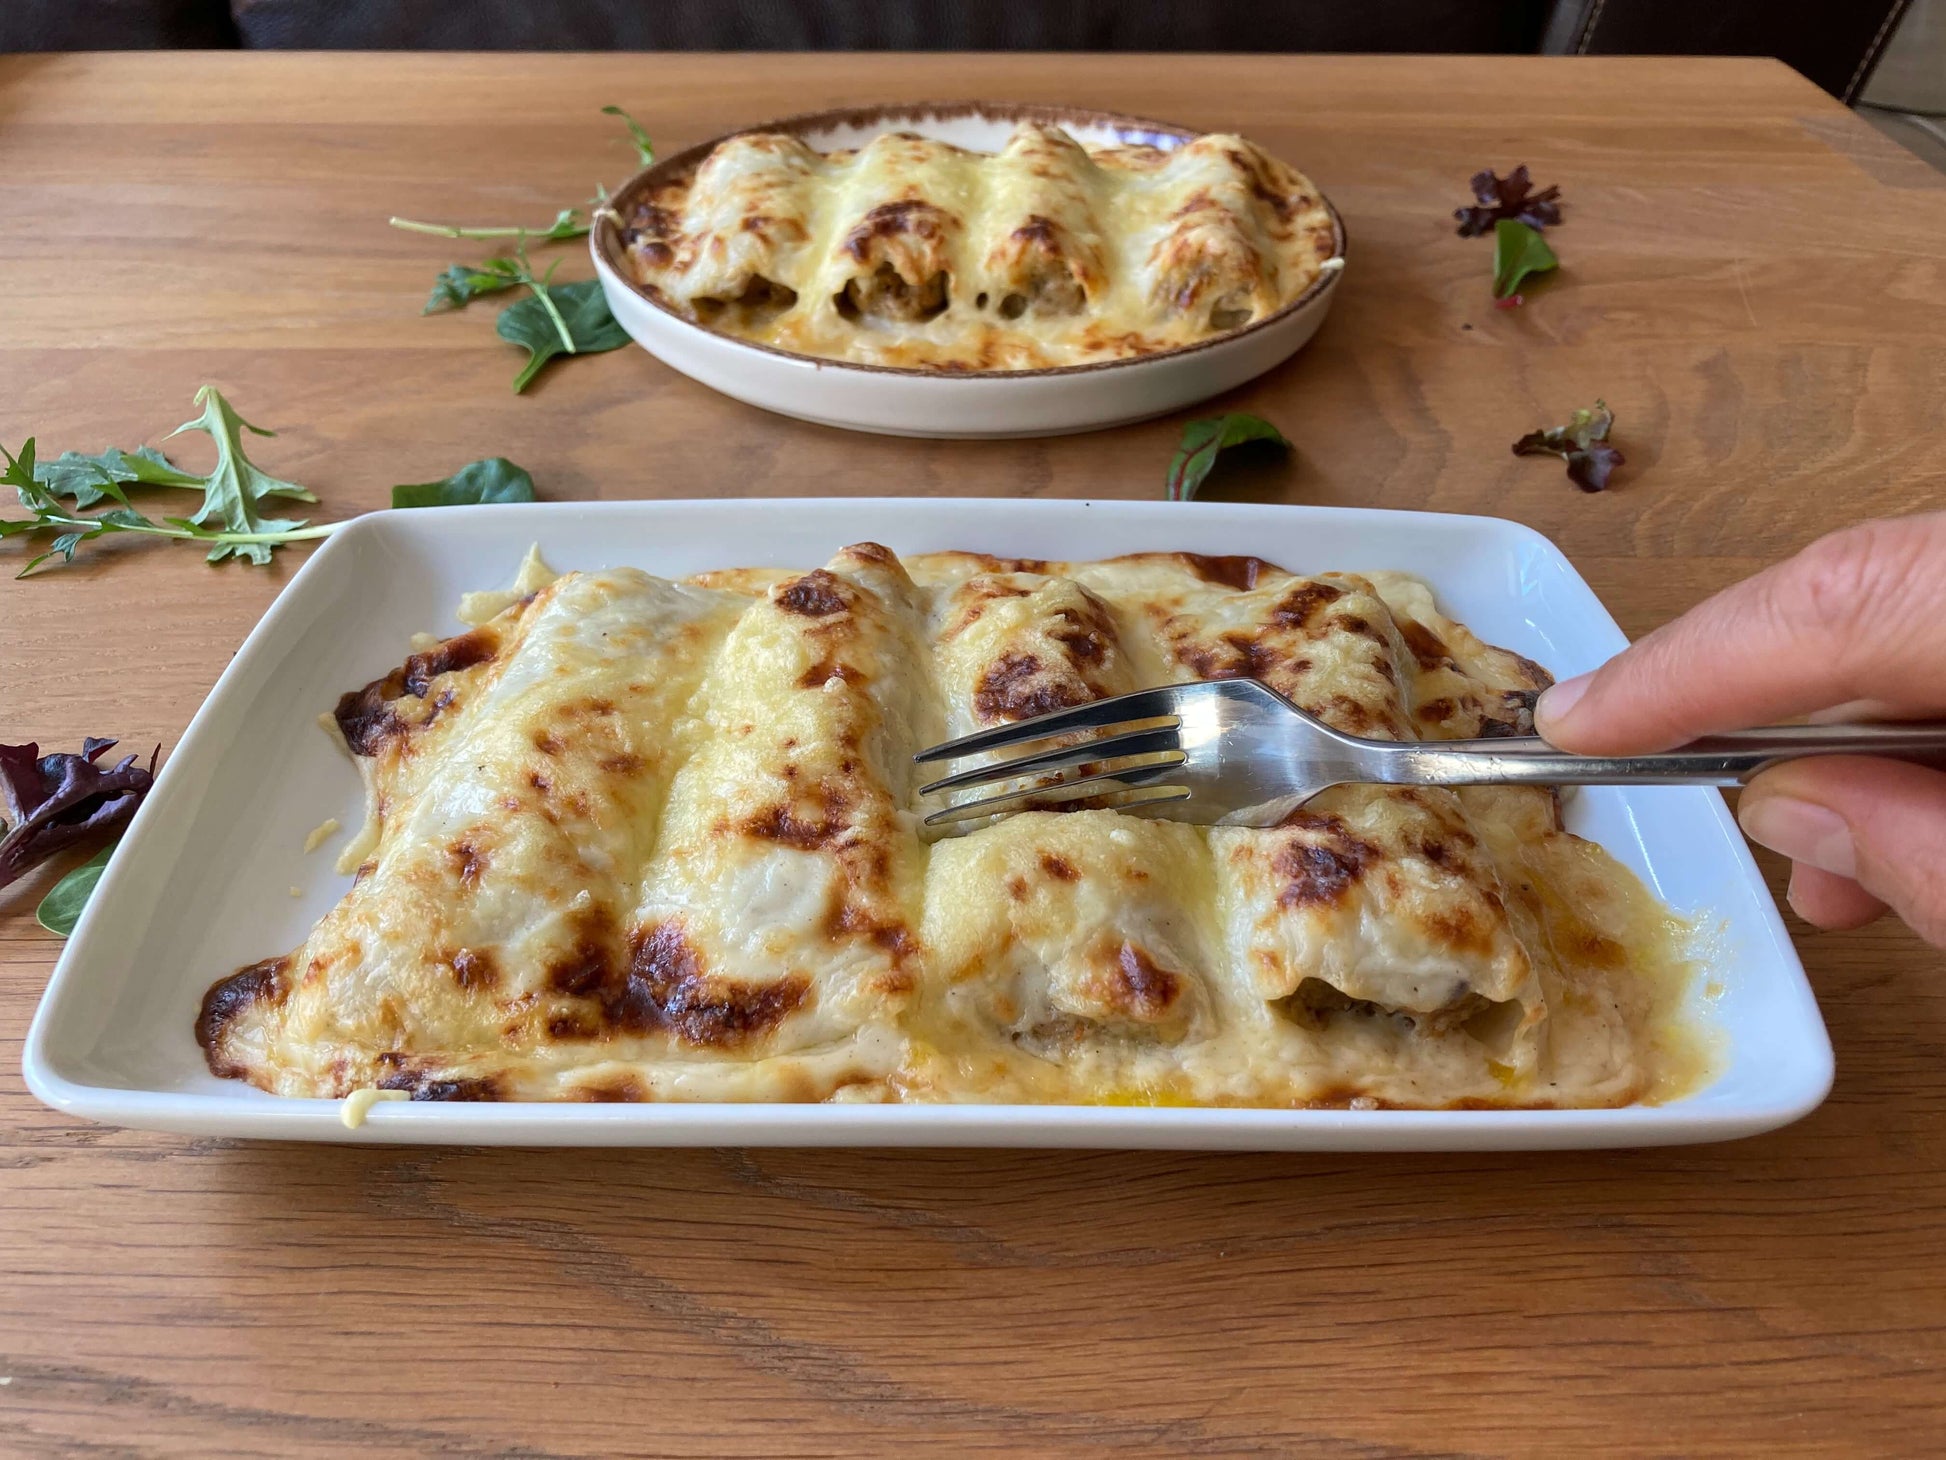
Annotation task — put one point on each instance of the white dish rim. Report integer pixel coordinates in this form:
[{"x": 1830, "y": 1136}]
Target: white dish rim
[{"x": 248, "y": 1113}]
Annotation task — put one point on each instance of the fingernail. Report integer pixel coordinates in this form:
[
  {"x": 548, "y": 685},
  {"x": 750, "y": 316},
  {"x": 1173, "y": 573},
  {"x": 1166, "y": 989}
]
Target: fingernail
[
  {"x": 1803, "y": 831},
  {"x": 1790, "y": 890},
  {"x": 1798, "y": 869},
  {"x": 1556, "y": 704}
]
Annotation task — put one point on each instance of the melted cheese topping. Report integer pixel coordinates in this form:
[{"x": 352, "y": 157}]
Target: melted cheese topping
[
  {"x": 358, "y": 1104},
  {"x": 640, "y": 840},
  {"x": 912, "y": 252}
]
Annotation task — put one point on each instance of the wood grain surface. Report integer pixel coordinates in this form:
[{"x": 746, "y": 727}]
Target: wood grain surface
[{"x": 1752, "y": 278}]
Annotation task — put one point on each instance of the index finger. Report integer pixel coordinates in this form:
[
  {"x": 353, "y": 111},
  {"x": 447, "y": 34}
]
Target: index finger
[{"x": 1859, "y": 615}]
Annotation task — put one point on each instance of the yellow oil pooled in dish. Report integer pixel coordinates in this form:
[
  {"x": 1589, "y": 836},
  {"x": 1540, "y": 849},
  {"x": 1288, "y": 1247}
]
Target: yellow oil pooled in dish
[{"x": 634, "y": 839}]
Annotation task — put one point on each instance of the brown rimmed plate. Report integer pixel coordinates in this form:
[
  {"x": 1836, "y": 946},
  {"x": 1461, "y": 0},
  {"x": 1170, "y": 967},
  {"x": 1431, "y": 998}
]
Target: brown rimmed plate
[{"x": 905, "y": 401}]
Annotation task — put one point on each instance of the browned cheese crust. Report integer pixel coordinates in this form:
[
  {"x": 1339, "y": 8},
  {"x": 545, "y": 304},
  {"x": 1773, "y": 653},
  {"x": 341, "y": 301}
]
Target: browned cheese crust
[
  {"x": 634, "y": 839},
  {"x": 913, "y": 253}
]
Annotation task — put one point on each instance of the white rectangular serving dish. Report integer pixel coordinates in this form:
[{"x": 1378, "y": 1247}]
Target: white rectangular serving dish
[{"x": 202, "y": 883}]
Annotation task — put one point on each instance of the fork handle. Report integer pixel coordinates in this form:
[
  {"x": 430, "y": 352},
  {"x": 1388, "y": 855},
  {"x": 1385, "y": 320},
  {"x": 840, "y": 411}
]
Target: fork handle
[{"x": 1715, "y": 760}]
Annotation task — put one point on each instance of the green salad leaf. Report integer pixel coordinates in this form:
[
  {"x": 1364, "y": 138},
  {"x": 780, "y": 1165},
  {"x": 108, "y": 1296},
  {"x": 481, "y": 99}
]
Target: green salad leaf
[
  {"x": 461, "y": 284},
  {"x": 61, "y": 909},
  {"x": 555, "y": 319},
  {"x": 1203, "y": 439},
  {"x": 493, "y": 480},
  {"x": 559, "y": 319},
  {"x": 233, "y": 493},
  {"x": 72, "y": 474},
  {"x": 1518, "y": 252},
  {"x": 234, "y": 490}
]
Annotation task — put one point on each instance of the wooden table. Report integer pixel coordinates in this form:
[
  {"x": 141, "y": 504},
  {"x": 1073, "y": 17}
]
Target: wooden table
[{"x": 1753, "y": 279}]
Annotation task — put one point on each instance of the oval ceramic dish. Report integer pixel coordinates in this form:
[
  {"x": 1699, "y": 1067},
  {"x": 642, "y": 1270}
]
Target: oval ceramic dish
[
  {"x": 923, "y": 402},
  {"x": 198, "y": 885}
]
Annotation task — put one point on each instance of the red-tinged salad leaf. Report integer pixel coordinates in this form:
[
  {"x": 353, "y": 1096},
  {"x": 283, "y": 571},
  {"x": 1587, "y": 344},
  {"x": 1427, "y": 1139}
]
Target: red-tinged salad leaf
[
  {"x": 1518, "y": 253},
  {"x": 1203, "y": 439},
  {"x": 57, "y": 801},
  {"x": 1582, "y": 444},
  {"x": 1508, "y": 197}
]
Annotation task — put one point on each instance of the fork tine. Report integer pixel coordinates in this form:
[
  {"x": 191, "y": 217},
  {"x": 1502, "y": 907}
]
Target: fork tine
[
  {"x": 1112, "y": 747},
  {"x": 1015, "y": 800},
  {"x": 1144, "y": 704}
]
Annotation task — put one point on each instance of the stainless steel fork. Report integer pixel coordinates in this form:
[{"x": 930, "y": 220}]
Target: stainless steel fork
[{"x": 1234, "y": 752}]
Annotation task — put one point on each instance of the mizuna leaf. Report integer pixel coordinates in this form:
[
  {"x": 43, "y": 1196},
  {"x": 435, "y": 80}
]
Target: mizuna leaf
[
  {"x": 61, "y": 909},
  {"x": 234, "y": 489},
  {"x": 72, "y": 474},
  {"x": 493, "y": 480},
  {"x": 581, "y": 309},
  {"x": 1518, "y": 252},
  {"x": 21, "y": 473},
  {"x": 1582, "y": 444},
  {"x": 1203, "y": 439},
  {"x": 62, "y": 547}
]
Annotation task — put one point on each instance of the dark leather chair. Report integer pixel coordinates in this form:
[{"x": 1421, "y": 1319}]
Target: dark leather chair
[
  {"x": 1834, "y": 42},
  {"x": 114, "y": 25},
  {"x": 917, "y": 25}
]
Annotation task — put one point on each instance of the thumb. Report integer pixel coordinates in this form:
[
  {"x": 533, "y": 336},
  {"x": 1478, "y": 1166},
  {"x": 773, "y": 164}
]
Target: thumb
[
  {"x": 1859, "y": 615},
  {"x": 1881, "y": 823}
]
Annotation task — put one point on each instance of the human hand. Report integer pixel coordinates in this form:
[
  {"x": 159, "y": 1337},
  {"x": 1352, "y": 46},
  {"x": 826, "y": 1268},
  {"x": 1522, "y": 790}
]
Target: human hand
[{"x": 1853, "y": 627}]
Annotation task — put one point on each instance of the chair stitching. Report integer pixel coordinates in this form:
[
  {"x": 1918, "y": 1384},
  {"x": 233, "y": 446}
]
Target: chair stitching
[
  {"x": 1871, "y": 51},
  {"x": 1594, "y": 19}
]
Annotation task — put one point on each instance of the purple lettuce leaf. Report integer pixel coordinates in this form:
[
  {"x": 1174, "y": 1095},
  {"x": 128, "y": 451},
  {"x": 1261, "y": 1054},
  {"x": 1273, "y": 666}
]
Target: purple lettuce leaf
[
  {"x": 1582, "y": 444},
  {"x": 57, "y": 801},
  {"x": 1508, "y": 197}
]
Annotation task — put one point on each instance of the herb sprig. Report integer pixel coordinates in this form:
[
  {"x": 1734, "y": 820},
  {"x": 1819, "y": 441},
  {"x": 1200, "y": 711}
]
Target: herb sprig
[
  {"x": 462, "y": 283},
  {"x": 58, "y": 494},
  {"x": 73, "y": 528},
  {"x": 233, "y": 492},
  {"x": 568, "y": 224},
  {"x": 644, "y": 148},
  {"x": 554, "y": 319}
]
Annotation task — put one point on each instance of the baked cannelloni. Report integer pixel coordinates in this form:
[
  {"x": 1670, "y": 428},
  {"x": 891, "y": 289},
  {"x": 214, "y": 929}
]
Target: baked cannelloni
[
  {"x": 633, "y": 839},
  {"x": 913, "y": 252}
]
